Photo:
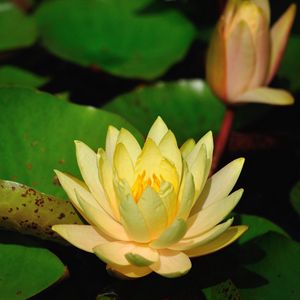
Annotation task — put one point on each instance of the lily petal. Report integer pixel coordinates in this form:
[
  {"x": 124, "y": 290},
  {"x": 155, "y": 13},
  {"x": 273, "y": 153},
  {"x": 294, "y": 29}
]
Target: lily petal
[
  {"x": 123, "y": 164},
  {"x": 129, "y": 271},
  {"x": 100, "y": 219},
  {"x": 171, "y": 263},
  {"x": 216, "y": 62},
  {"x": 149, "y": 160},
  {"x": 240, "y": 60},
  {"x": 265, "y": 7},
  {"x": 187, "y": 147},
  {"x": 208, "y": 142},
  {"x": 113, "y": 253},
  {"x": 153, "y": 211},
  {"x": 219, "y": 185},
  {"x": 266, "y": 95},
  {"x": 142, "y": 256},
  {"x": 87, "y": 162},
  {"x": 187, "y": 244},
  {"x": 132, "y": 218},
  {"x": 157, "y": 131},
  {"x": 262, "y": 45},
  {"x": 70, "y": 184},
  {"x": 130, "y": 143},
  {"x": 212, "y": 215},
  {"x": 124, "y": 254},
  {"x": 84, "y": 237},
  {"x": 169, "y": 198},
  {"x": 225, "y": 239},
  {"x": 169, "y": 149},
  {"x": 199, "y": 171},
  {"x": 106, "y": 179},
  {"x": 279, "y": 37},
  {"x": 171, "y": 235},
  {"x": 111, "y": 141},
  {"x": 186, "y": 196}
]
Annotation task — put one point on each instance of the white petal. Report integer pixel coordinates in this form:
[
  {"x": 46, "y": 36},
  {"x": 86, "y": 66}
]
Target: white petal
[
  {"x": 169, "y": 198},
  {"x": 225, "y": 239},
  {"x": 153, "y": 211},
  {"x": 88, "y": 165},
  {"x": 129, "y": 271},
  {"x": 106, "y": 177},
  {"x": 130, "y": 143},
  {"x": 212, "y": 215},
  {"x": 186, "y": 196},
  {"x": 131, "y": 216},
  {"x": 84, "y": 237},
  {"x": 158, "y": 130},
  {"x": 111, "y": 141},
  {"x": 187, "y": 244},
  {"x": 123, "y": 164},
  {"x": 100, "y": 219},
  {"x": 169, "y": 149},
  {"x": 171, "y": 235},
  {"x": 187, "y": 147},
  {"x": 219, "y": 185},
  {"x": 171, "y": 263},
  {"x": 124, "y": 254},
  {"x": 70, "y": 184}
]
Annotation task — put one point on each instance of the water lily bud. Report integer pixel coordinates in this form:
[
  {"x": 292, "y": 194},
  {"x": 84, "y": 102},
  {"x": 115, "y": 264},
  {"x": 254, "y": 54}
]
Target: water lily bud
[
  {"x": 244, "y": 53},
  {"x": 151, "y": 208}
]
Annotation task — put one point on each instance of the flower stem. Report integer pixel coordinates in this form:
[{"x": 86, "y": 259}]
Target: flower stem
[{"x": 222, "y": 138}]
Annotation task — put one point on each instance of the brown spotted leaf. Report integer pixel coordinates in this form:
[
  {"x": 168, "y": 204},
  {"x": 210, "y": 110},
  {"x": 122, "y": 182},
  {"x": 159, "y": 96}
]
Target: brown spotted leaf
[{"x": 28, "y": 211}]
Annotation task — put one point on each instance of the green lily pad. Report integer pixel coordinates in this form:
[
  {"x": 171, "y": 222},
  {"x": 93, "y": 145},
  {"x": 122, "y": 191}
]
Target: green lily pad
[
  {"x": 273, "y": 265},
  {"x": 16, "y": 29},
  {"x": 295, "y": 197},
  {"x": 13, "y": 76},
  {"x": 257, "y": 227},
  {"x": 290, "y": 66},
  {"x": 187, "y": 106},
  {"x": 124, "y": 37},
  {"x": 28, "y": 211},
  {"x": 38, "y": 132},
  {"x": 26, "y": 269}
]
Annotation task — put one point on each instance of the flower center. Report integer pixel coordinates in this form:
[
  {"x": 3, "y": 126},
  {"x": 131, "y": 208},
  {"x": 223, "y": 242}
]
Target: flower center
[{"x": 142, "y": 182}]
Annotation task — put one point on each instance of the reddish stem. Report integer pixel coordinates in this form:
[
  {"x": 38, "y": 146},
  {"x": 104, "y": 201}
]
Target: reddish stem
[
  {"x": 222, "y": 138},
  {"x": 22, "y": 4}
]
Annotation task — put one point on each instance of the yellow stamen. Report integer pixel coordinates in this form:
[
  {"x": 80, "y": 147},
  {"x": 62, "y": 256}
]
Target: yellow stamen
[{"x": 142, "y": 182}]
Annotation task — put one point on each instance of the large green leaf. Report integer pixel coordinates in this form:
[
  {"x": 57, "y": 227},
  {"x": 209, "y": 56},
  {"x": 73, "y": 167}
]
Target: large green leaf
[
  {"x": 28, "y": 211},
  {"x": 37, "y": 134},
  {"x": 123, "y": 37},
  {"x": 26, "y": 269},
  {"x": 295, "y": 197},
  {"x": 187, "y": 106},
  {"x": 256, "y": 226},
  {"x": 16, "y": 29},
  {"x": 13, "y": 76},
  {"x": 290, "y": 65},
  {"x": 273, "y": 265}
]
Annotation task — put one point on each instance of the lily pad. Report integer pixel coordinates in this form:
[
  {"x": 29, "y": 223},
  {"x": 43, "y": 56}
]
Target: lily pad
[
  {"x": 290, "y": 67},
  {"x": 257, "y": 227},
  {"x": 123, "y": 37},
  {"x": 16, "y": 29},
  {"x": 26, "y": 269},
  {"x": 187, "y": 106},
  {"x": 28, "y": 211},
  {"x": 38, "y": 132},
  {"x": 273, "y": 268},
  {"x": 13, "y": 76},
  {"x": 295, "y": 197}
]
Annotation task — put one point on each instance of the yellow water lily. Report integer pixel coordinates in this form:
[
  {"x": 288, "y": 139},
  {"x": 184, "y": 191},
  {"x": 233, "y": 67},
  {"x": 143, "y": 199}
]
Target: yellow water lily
[
  {"x": 151, "y": 208},
  {"x": 244, "y": 53}
]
